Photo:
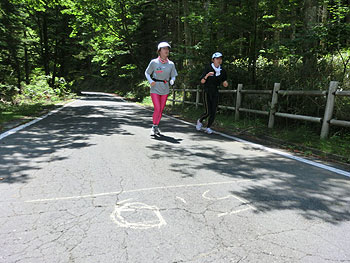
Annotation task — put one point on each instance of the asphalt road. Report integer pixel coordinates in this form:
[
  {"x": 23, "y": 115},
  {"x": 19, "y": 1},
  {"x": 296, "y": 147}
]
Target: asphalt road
[{"x": 89, "y": 184}]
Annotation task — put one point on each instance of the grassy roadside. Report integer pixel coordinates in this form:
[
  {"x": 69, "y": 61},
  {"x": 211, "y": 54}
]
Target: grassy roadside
[
  {"x": 13, "y": 115},
  {"x": 299, "y": 139}
]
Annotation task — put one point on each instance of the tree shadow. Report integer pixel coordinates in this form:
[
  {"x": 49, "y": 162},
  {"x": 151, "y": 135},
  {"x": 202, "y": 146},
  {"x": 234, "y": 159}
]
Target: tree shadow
[
  {"x": 70, "y": 128},
  {"x": 276, "y": 183}
]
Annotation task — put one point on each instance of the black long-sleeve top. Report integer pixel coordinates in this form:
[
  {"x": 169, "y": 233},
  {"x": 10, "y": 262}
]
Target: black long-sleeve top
[{"x": 213, "y": 82}]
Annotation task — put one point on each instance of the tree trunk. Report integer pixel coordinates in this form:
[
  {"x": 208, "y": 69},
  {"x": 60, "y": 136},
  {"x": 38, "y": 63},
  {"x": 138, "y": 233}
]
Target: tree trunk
[
  {"x": 16, "y": 64},
  {"x": 253, "y": 45},
  {"x": 310, "y": 19},
  {"x": 188, "y": 39},
  {"x": 46, "y": 46},
  {"x": 54, "y": 71},
  {"x": 26, "y": 62},
  {"x": 62, "y": 55},
  {"x": 347, "y": 21},
  {"x": 241, "y": 43},
  {"x": 277, "y": 34},
  {"x": 323, "y": 16},
  {"x": 9, "y": 28},
  {"x": 41, "y": 42},
  {"x": 55, "y": 55},
  {"x": 293, "y": 23},
  {"x": 179, "y": 33}
]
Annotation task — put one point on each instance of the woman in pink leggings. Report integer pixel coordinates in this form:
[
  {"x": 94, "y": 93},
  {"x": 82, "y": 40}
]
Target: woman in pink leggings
[{"x": 160, "y": 73}]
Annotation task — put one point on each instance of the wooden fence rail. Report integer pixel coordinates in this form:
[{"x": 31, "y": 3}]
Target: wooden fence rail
[{"x": 326, "y": 121}]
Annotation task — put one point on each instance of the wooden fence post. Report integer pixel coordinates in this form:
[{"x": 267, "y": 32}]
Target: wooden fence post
[
  {"x": 184, "y": 95},
  {"x": 329, "y": 109},
  {"x": 238, "y": 101},
  {"x": 174, "y": 96},
  {"x": 274, "y": 101},
  {"x": 197, "y": 97}
]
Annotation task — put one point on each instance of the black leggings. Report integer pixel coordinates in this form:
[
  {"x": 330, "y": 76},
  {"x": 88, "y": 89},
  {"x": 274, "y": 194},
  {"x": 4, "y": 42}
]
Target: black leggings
[{"x": 210, "y": 102}]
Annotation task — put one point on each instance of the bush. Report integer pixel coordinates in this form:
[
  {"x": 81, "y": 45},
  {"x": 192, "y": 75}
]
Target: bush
[
  {"x": 40, "y": 91},
  {"x": 7, "y": 91},
  {"x": 142, "y": 90}
]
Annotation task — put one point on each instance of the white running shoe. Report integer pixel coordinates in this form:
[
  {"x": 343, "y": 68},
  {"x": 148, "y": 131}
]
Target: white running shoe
[
  {"x": 199, "y": 125},
  {"x": 208, "y": 130},
  {"x": 153, "y": 130},
  {"x": 157, "y": 130}
]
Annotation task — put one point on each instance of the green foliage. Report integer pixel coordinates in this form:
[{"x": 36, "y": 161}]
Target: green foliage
[
  {"x": 147, "y": 101},
  {"x": 7, "y": 91},
  {"x": 39, "y": 90},
  {"x": 138, "y": 93},
  {"x": 142, "y": 90}
]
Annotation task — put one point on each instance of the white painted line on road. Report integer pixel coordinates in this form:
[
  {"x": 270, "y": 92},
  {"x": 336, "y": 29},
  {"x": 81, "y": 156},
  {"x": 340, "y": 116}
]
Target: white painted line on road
[
  {"x": 284, "y": 154},
  {"x": 21, "y": 127},
  {"x": 135, "y": 190},
  {"x": 235, "y": 211},
  {"x": 245, "y": 202},
  {"x": 288, "y": 155},
  {"x": 181, "y": 199}
]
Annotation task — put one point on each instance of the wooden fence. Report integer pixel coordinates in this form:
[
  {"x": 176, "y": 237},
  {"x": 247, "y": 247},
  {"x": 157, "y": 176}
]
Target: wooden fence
[{"x": 326, "y": 121}]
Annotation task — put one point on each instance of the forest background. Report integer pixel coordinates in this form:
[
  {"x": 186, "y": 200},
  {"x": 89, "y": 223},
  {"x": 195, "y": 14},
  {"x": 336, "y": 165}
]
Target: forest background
[{"x": 51, "y": 48}]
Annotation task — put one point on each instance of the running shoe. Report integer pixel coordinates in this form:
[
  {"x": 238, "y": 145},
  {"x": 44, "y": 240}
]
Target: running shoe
[
  {"x": 208, "y": 130},
  {"x": 157, "y": 130},
  {"x": 153, "y": 130},
  {"x": 199, "y": 125}
]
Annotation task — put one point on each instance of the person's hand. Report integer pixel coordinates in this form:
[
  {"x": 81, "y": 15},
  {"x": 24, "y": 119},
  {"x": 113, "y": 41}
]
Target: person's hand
[
  {"x": 209, "y": 74},
  {"x": 153, "y": 83},
  {"x": 225, "y": 84},
  {"x": 171, "y": 82}
]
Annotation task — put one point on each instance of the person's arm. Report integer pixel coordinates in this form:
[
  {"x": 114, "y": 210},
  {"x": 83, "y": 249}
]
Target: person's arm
[
  {"x": 204, "y": 79},
  {"x": 148, "y": 73},
  {"x": 207, "y": 73},
  {"x": 148, "y": 77},
  {"x": 173, "y": 75},
  {"x": 224, "y": 78}
]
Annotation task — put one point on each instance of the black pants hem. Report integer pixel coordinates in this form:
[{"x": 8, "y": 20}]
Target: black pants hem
[{"x": 210, "y": 102}]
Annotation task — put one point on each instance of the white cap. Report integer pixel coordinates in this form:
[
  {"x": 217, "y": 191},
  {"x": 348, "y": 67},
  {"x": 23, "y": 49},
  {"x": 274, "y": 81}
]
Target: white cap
[
  {"x": 163, "y": 44},
  {"x": 216, "y": 55}
]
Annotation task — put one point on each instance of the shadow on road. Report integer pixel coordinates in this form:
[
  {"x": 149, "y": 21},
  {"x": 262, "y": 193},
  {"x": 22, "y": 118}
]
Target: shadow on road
[
  {"x": 70, "y": 128},
  {"x": 165, "y": 138},
  {"x": 277, "y": 183}
]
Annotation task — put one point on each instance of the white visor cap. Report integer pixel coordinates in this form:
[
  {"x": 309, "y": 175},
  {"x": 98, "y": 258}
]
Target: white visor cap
[
  {"x": 163, "y": 44},
  {"x": 216, "y": 55}
]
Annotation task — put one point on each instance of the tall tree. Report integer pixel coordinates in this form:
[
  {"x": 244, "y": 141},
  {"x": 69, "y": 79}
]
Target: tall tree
[
  {"x": 11, "y": 39},
  {"x": 310, "y": 20}
]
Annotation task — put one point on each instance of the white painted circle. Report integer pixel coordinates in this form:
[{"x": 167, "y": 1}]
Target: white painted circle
[{"x": 134, "y": 207}]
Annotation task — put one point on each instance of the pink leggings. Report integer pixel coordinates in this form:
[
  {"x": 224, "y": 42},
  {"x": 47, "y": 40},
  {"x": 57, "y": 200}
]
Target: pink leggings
[{"x": 159, "y": 102}]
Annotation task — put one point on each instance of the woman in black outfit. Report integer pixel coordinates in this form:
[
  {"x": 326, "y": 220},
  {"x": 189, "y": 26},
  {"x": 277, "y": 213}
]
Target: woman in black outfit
[{"x": 213, "y": 76}]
